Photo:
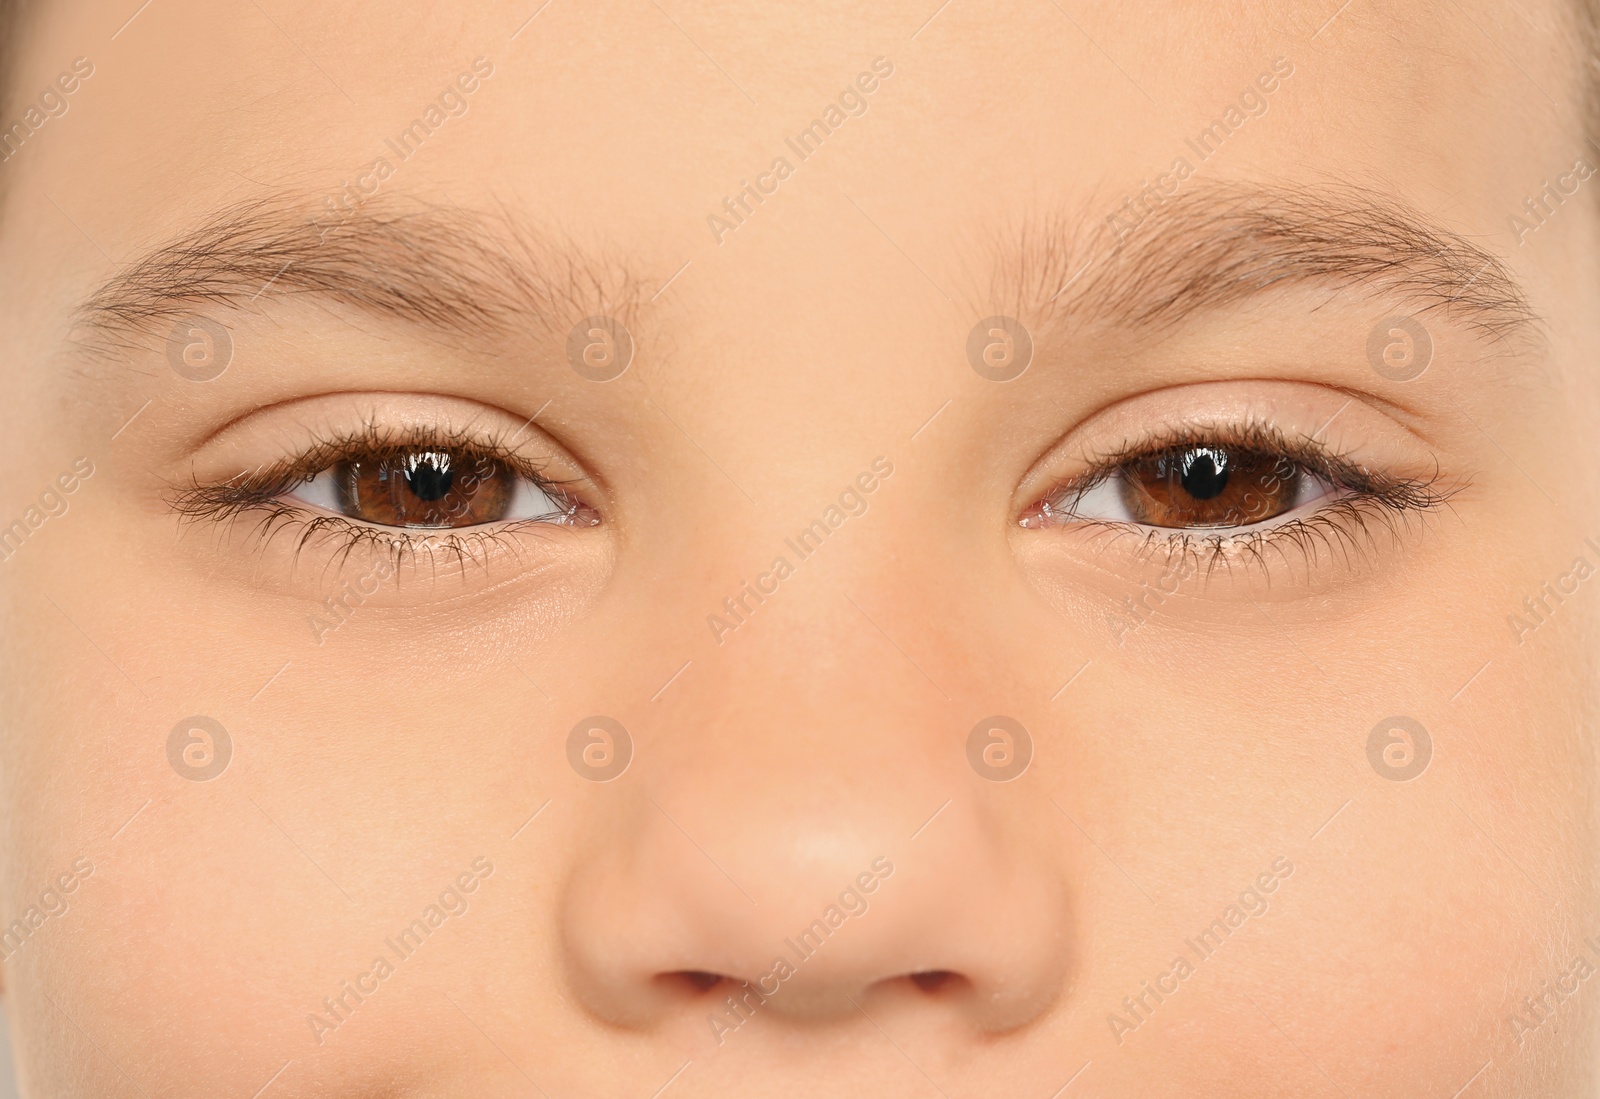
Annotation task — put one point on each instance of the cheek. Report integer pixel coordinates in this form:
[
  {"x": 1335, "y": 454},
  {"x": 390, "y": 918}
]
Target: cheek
[
  {"x": 212, "y": 927},
  {"x": 1422, "y": 917},
  {"x": 1425, "y": 954}
]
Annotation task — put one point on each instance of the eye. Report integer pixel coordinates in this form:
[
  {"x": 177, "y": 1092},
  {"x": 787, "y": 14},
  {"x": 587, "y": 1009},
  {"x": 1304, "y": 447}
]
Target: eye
[
  {"x": 1235, "y": 488},
  {"x": 1232, "y": 478},
  {"x": 432, "y": 488},
  {"x": 1204, "y": 486}
]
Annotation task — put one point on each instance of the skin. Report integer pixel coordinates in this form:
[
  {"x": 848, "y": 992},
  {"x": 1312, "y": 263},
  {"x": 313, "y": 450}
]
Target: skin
[{"x": 1176, "y": 763}]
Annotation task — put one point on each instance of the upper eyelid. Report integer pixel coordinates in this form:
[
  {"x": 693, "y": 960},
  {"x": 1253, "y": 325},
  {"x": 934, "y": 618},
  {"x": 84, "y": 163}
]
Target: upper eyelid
[
  {"x": 359, "y": 444},
  {"x": 292, "y": 430},
  {"x": 298, "y": 422},
  {"x": 1321, "y": 411}
]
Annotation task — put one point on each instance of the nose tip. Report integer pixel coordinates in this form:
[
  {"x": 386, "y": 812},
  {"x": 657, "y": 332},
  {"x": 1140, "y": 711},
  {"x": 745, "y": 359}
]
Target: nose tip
[{"x": 817, "y": 928}]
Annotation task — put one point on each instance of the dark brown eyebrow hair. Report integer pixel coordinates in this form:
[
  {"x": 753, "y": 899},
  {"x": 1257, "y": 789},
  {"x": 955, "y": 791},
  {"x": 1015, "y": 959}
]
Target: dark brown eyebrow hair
[
  {"x": 469, "y": 274},
  {"x": 1157, "y": 261}
]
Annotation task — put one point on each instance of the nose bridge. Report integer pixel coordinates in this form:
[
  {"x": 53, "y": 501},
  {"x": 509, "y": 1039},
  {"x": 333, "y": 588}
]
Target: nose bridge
[
  {"x": 779, "y": 841},
  {"x": 806, "y": 751}
]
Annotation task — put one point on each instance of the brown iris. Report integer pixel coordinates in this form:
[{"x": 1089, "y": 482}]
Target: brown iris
[
  {"x": 425, "y": 488},
  {"x": 1208, "y": 486}
]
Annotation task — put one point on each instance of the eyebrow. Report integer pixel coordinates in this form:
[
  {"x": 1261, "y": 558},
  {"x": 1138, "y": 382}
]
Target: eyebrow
[
  {"x": 464, "y": 273},
  {"x": 1152, "y": 265}
]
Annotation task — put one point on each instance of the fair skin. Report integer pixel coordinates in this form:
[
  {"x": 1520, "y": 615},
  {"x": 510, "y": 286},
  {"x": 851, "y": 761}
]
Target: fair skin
[{"x": 1208, "y": 746}]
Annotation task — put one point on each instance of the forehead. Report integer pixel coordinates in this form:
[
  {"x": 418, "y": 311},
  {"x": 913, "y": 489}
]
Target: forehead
[{"x": 647, "y": 116}]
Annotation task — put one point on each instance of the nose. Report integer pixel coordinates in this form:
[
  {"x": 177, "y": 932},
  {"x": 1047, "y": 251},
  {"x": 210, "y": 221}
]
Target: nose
[{"x": 816, "y": 853}]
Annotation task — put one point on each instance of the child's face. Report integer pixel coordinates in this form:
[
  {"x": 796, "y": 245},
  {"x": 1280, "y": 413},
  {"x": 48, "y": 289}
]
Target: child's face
[{"x": 400, "y": 701}]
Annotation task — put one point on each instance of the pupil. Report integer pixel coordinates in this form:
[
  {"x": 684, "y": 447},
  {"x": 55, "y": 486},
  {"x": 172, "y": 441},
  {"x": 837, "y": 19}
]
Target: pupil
[
  {"x": 430, "y": 479},
  {"x": 1203, "y": 473}
]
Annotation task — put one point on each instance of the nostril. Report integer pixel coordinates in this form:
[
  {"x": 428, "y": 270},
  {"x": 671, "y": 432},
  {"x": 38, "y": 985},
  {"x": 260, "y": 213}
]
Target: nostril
[
  {"x": 694, "y": 981},
  {"x": 700, "y": 980},
  {"x": 934, "y": 980}
]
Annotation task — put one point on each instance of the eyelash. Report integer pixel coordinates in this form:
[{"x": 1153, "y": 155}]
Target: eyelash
[
  {"x": 261, "y": 493},
  {"x": 1374, "y": 500},
  {"x": 1349, "y": 522}
]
